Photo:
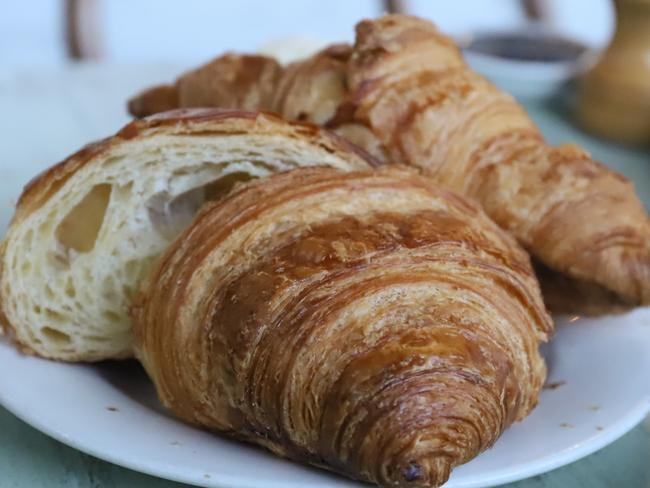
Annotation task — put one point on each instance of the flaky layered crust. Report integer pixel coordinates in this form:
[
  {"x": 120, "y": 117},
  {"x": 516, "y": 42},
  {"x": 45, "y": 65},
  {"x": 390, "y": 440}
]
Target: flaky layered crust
[
  {"x": 195, "y": 121},
  {"x": 87, "y": 230},
  {"x": 404, "y": 92},
  {"x": 231, "y": 81},
  {"x": 363, "y": 322},
  {"x": 574, "y": 215}
]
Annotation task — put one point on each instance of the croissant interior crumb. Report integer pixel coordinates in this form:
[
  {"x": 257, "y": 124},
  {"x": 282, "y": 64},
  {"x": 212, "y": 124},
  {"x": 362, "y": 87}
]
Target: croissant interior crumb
[
  {"x": 79, "y": 229},
  {"x": 55, "y": 335},
  {"x": 87, "y": 231},
  {"x": 171, "y": 214}
]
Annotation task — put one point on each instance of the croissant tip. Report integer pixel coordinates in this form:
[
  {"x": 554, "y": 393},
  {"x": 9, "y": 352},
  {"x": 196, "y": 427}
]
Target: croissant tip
[
  {"x": 628, "y": 274},
  {"x": 412, "y": 472},
  {"x": 428, "y": 472}
]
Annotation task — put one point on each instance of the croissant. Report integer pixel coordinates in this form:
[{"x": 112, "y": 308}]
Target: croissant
[
  {"x": 231, "y": 81},
  {"x": 87, "y": 231},
  {"x": 404, "y": 93},
  {"x": 365, "y": 322}
]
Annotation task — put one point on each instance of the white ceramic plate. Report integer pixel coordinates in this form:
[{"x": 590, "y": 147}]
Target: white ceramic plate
[{"x": 598, "y": 367}]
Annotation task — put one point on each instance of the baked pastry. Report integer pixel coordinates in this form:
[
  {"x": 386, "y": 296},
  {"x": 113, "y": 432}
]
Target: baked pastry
[
  {"x": 575, "y": 216},
  {"x": 364, "y": 322},
  {"x": 405, "y": 94},
  {"x": 231, "y": 81},
  {"x": 87, "y": 230}
]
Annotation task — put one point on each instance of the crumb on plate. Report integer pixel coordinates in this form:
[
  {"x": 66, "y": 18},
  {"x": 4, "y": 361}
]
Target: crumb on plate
[{"x": 554, "y": 385}]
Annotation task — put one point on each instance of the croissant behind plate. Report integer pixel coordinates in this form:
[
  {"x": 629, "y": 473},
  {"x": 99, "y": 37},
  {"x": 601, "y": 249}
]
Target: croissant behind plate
[
  {"x": 405, "y": 94},
  {"x": 363, "y": 322}
]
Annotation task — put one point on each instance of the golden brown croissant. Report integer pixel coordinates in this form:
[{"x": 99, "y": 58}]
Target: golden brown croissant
[
  {"x": 365, "y": 322},
  {"x": 231, "y": 81},
  {"x": 88, "y": 230},
  {"x": 404, "y": 93}
]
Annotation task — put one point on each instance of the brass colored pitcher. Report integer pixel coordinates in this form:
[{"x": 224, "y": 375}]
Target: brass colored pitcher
[{"x": 615, "y": 96}]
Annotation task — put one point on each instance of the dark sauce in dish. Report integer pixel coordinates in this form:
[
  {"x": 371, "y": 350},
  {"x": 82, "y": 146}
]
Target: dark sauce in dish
[{"x": 527, "y": 47}]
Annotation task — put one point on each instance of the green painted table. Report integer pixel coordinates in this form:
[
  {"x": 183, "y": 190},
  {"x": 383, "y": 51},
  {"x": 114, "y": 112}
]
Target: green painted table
[
  {"x": 29, "y": 459},
  {"x": 70, "y": 114}
]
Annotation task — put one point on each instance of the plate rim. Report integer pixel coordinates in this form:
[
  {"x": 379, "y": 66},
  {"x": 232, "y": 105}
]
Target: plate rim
[
  {"x": 566, "y": 456},
  {"x": 613, "y": 432},
  {"x": 583, "y": 447}
]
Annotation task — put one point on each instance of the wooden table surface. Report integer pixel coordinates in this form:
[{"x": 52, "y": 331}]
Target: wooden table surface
[{"x": 46, "y": 116}]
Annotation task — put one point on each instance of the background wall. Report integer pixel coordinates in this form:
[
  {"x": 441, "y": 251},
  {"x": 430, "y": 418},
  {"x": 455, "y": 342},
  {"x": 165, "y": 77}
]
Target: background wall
[{"x": 190, "y": 31}]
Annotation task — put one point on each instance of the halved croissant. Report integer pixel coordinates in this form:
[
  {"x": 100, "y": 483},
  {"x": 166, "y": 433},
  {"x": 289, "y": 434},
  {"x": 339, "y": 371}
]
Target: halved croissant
[
  {"x": 88, "y": 230},
  {"x": 405, "y": 94},
  {"x": 364, "y": 322}
]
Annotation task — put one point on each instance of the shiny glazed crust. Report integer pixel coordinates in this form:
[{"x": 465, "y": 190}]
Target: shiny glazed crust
[
  {"x": 404, "y": 92},
  {"x": 364, "y": 322}
]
